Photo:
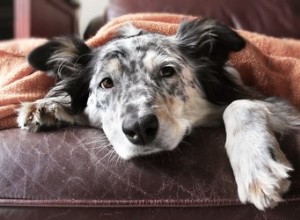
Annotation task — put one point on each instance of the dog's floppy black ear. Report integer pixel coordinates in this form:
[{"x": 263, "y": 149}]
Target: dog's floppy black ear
[
  {"x": 207, "y": 44},
  {"x": 69, "y": 59},
  {"x": 61, "y": 56},
  {"x": 208, "y": 38}
]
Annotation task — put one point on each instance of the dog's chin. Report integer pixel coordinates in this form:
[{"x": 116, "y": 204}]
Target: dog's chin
[{"x": 134, "y": 151}]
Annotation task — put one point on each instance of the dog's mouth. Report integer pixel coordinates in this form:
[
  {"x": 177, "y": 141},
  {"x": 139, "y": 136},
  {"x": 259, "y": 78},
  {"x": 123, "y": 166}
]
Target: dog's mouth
[
  {"x": 148, "y": 151},
  {"x": 137, "y": 151}
]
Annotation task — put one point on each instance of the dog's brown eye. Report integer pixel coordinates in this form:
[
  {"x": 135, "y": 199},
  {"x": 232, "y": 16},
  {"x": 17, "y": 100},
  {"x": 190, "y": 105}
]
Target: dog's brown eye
[
  {"x": 167, "y": 71},
  {"x": 107, "y": 83}
]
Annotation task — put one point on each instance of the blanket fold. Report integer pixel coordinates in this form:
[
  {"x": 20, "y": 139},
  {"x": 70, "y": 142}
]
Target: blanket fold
[{"x": 270, "y": 64}]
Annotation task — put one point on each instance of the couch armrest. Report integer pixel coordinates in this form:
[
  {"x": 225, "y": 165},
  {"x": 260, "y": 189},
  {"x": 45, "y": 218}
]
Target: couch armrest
[{"x": 44, "y": 18}]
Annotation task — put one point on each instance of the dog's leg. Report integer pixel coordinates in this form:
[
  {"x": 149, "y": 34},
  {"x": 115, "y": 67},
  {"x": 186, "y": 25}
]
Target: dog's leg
[
  {"x": 260, "y": 167},
  {"x": 50, "y": 112}
]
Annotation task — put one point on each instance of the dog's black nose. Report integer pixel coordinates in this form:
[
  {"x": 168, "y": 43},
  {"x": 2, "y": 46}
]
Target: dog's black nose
[{"x": 141, "y": 131}]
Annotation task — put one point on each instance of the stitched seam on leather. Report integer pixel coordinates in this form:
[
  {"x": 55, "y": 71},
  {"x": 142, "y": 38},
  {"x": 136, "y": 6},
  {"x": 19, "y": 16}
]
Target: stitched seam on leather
[{"x": 122, "y": 203}]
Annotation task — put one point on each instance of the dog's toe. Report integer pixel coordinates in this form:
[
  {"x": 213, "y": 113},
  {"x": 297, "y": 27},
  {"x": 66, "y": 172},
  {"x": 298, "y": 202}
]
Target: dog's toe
[{"x": 265, "y": 186}]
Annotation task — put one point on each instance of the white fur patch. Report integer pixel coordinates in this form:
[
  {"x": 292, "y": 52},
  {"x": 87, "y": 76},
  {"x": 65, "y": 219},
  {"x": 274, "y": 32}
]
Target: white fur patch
[{"x": 260, "y": 168}]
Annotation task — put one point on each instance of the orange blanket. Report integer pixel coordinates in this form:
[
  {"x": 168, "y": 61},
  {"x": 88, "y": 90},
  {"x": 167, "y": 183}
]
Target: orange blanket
[{"x": 270, "y": 64}]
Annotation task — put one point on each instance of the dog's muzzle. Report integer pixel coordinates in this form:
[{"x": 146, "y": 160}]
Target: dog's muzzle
[{"x": 141, "y": 131}]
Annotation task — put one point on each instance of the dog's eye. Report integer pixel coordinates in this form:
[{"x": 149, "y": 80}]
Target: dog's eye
[
  {"x": 167, "y": 71},
  {"x": 106, "y": 83}
]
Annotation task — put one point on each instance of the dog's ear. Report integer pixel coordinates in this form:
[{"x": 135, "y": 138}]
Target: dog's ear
[
  {"x": 207, "y": 44},
  {"x": 61, "y": 56},
  {"x": 207, "y": 38},
  {"x": 69, "y": 59}
]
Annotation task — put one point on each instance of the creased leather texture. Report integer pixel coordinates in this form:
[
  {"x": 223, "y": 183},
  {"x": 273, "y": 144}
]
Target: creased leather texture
[{"x": 72, "y": 167}]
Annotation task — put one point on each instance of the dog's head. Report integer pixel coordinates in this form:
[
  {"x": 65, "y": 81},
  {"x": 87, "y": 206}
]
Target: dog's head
[{"x": 147, "y": 90}]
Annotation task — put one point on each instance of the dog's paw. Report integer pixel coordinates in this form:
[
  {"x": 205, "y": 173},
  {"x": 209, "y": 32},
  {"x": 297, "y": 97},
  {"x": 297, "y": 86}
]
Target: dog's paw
[
  {"x": 34, "y": 116},
  {"x": 265, "y": 182}
]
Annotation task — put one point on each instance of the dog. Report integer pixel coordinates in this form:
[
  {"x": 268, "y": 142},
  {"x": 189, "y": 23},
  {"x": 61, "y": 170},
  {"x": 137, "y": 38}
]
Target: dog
[{"x": 147, "y": 91}]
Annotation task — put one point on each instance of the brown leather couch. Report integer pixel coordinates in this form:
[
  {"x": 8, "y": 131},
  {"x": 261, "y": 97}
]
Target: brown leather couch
[{"x": 70, "y": 174}]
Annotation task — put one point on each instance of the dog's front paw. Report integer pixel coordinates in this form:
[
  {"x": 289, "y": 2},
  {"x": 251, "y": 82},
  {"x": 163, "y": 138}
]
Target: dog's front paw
[
  {"x": 265, "y": 180},
  {"x": 34, "y": 116},
  {"x": 29, "y": 116}
]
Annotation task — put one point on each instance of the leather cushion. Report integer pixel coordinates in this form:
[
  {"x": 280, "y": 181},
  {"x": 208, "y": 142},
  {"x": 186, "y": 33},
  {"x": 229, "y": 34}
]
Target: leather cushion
[{"x": 73, "y": 167}]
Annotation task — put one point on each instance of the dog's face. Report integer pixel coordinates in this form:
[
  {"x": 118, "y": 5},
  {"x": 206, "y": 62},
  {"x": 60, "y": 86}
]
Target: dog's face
[
  {"x": 144, "y": 94},
  {"x": 147, "y": 90}
]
